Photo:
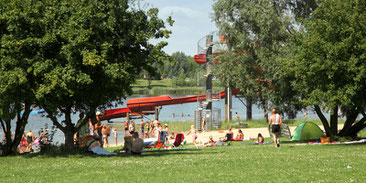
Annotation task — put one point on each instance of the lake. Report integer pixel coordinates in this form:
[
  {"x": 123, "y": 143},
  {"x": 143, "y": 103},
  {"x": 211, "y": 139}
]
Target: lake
[{"x": 37, "y": 122}]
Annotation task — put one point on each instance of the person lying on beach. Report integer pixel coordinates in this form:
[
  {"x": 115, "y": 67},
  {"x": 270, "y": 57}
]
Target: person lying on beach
[
  {"x": 95, "y": 146},
  {"x": 172, "y": 136},
  {"x": 260, "y": 139}
]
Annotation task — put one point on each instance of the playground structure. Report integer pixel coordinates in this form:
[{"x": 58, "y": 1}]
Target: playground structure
[
  {"x": 151, "y": 105},
  {"x": 208, "y": 45}
]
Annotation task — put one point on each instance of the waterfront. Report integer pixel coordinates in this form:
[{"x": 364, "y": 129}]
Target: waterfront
[{"x": 37, "y": 122}]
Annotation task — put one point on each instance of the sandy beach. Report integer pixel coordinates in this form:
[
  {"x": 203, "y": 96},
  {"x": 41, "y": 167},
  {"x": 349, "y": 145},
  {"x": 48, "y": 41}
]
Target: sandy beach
[{"x": 249, "y": 133}]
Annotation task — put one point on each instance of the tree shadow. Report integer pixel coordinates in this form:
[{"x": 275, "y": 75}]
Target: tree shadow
[{"x": 148, "y": 153}]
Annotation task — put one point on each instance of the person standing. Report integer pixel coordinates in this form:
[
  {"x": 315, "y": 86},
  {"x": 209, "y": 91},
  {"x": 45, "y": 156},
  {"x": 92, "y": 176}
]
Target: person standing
[
  {"x": 275, "y": 121},
  {"x": 91, "y": 128},
  {"x": 203, "y": 123},
  {"x": 142, "y": 126},
  {"x": 194, "y": 132},
  {"x": 306, "y": 114},
  {"x": 114, "y": 132},
  {"x": 147, "y": 129},
  {"x": 106, "y": 132},
  {"x": 131, "y": 128},
  {"x": 30, "y": 138},
  {"x": 236, "y": 116},
  {"x": 125, "y": 126},
  {"x": 98, "y": 127}
]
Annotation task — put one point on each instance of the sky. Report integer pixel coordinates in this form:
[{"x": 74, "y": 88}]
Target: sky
[{"x": 192, "y": 22}]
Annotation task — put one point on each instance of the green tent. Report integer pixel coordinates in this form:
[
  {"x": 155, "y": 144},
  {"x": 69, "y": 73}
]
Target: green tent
[{"x": 307, "y": 131}]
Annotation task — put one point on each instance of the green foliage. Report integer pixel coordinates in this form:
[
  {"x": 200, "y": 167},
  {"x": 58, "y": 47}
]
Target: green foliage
[
  {"x": 79, "y": 53},
  {"x": 329, "y": 62},
  {"x": 255, "y": 49}
]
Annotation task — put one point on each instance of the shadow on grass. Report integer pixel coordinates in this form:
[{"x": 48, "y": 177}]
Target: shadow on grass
[{"x": 81, "y": 153}]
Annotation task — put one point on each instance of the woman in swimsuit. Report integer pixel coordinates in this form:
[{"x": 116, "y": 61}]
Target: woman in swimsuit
[
  {"x": 30, "y": 139},
  {"x": 131, "y": 129},
  {"x": 125, "y": 125},
  {"x": 260, "y": 139},
  {"x": 193, "y": 131},
  {"x": 240, "y": 135},
  {"x": 147, "y": 129}
]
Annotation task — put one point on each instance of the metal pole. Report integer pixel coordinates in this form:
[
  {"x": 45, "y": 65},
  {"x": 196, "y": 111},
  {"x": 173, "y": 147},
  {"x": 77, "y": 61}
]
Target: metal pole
[
  {"x": 209, "y": 40},
  {"x": 156, "y": 113}
]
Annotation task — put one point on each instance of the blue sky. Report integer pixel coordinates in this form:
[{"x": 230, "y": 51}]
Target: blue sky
[{"x": 192, "y": 22}]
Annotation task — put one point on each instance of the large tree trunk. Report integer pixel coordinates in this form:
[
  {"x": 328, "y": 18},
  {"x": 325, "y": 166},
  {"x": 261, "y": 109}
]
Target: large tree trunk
[
  {"x": 334, "y": 121},
  {"x": 357, "y": 127},
  {"x": 291, "y": 114},
  {"x": 351, "y": 116},
  {"x": 69, "y": 138},
  {"x": 22, "y": 120},
  {"x": 68, "y": 130},
  {"x": 249, "y": 108},
  {"x": 265, "y": 112},
  {"x": 323, "y": 120}
]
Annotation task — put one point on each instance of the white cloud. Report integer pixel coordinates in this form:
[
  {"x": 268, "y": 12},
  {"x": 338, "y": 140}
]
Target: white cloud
[{"x": 192, "y": 22}]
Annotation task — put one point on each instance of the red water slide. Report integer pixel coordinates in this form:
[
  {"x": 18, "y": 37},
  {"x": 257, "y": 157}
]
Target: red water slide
[{"x": 146, "y": 105}]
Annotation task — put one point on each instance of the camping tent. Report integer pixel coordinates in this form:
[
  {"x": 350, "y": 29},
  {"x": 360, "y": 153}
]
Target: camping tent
[{"x": 307, "y": 131}]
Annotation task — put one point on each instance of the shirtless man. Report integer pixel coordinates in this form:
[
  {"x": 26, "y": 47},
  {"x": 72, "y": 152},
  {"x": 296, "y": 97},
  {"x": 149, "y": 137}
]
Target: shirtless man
[
  {"x": 106, "y": 132},
  {"x": 125, "y": 126},
  {"x": 275, "y": 120},
  {"x": 142, "y": 126}
]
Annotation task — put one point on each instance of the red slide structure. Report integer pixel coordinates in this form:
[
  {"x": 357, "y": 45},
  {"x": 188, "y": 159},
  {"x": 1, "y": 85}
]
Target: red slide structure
[{"x": 147, "y": 105}]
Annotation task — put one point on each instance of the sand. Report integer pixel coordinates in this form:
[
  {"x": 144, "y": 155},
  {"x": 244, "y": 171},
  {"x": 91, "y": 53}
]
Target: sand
[{"x": 249, "y": 133}]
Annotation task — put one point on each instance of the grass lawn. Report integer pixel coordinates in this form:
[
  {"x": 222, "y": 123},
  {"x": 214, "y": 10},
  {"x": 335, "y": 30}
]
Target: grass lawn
[{"x": 238, "y": 162}]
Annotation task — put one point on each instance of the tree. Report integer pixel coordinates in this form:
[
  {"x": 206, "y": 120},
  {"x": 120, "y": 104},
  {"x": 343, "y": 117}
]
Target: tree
[
  {"x": 17, "y": 53},
  {"x": 88, "y": 52},
  {"x": 329, "y": 64},
  {"x": 249, "y": 28}
]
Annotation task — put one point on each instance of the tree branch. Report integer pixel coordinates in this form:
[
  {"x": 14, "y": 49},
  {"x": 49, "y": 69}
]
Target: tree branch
[
  {"x": 2, "y": 125},
  {"x": 53, "y": 118},
  {"x": 323, "y": 119},
  {"x": 241, "y": 101},
  {"x": 351, "y": 116}
]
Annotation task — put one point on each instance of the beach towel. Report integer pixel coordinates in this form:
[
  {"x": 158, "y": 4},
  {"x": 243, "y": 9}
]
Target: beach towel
[{"x": 100, "y": 151}]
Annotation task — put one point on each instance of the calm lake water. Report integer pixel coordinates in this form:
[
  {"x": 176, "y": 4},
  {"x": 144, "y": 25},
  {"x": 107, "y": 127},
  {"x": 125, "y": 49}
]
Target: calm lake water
[{"x": 37, "y": 122}]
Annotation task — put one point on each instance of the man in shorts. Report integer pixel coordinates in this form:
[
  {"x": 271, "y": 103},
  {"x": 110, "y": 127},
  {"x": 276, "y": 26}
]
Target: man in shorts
[{"x": 275, "y": 120}]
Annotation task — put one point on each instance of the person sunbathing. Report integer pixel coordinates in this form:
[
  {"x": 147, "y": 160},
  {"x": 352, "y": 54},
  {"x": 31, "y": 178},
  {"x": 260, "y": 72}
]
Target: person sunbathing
[
  {"x": 229, "y": 135},
  {"x": 95, "y": 147},
  {"x": 172, "y": 136},
  {"x": 260, "y": 139}
]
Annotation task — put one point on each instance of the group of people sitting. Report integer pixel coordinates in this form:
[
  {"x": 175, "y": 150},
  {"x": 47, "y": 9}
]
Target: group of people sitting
[
  {"x": 230, "y": 136},
  {"x": 240, "y": 136},
  {"x": 29, "y": 139}
]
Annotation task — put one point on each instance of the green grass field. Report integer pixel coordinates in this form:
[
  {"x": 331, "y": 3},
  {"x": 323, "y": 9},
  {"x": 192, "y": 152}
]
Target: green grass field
[
  {"x": 165, "y": 87},
  {"x": 238, "y": 162}
]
